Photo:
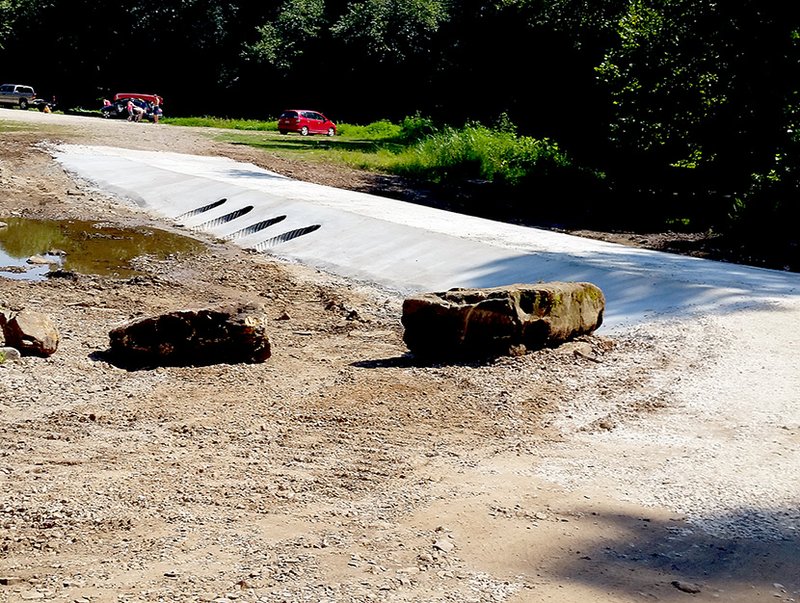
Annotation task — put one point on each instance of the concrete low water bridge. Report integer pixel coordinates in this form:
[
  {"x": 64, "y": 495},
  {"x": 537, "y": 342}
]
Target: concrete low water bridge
[{"x": 407, "y": 247}]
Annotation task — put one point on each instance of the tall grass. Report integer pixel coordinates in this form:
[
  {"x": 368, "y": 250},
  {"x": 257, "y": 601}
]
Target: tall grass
[
  {"x": 477, "y": 152},
  {"x": 377, "y": 130}
]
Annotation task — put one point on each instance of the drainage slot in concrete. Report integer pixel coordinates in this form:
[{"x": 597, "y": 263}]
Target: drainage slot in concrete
[
  {"x": 201, "y": 210},
  {"x": 225, "y": 219},
  {"x": 286, "y": 236},
  {"x": 254, "y": 228}
]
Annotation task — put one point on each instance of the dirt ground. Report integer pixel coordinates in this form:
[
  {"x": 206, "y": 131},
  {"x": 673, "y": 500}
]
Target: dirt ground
[{"x": 340, "y": 469}]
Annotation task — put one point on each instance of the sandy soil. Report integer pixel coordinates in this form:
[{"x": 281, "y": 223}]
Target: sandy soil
[{"x": 340, "y": 469}]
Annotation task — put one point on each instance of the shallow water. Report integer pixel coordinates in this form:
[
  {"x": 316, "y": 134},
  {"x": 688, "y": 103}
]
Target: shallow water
[{"x": 83, "y": 247}]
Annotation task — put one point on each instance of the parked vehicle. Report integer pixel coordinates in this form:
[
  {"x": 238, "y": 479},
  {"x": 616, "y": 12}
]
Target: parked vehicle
[
  {"x": 305, "y": 122},
  {"x": 118, "y": 109},
  {"x": 17, "y": 95}
]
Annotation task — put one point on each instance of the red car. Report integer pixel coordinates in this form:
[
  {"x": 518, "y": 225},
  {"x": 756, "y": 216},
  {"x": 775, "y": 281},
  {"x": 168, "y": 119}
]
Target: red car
[{"x": 305, "y": 122}]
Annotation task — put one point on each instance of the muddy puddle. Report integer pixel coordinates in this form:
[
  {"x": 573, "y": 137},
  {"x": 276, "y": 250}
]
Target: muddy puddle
[{"x": 32, "y": 249}]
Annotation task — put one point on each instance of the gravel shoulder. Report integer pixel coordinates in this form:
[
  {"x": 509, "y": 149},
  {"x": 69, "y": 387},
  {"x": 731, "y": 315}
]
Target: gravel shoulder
[{"x": 648, "y": 464}]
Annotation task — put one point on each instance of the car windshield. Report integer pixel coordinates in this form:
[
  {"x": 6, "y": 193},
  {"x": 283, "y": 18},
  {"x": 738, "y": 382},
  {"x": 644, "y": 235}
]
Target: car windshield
[{"x": 288, "y": 114}]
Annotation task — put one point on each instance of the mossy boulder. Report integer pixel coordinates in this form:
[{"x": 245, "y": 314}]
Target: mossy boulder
[{"x": 474, "y": 323}]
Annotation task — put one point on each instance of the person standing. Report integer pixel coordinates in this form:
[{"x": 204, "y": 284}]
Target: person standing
[{"x": 156, "y": 111}]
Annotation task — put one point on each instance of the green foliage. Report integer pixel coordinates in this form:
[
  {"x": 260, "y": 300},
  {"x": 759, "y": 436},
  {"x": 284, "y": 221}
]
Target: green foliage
[
  {"x": 416, "y": 127},
  {"x": 6, "y": 20},
  {"x": 706, "y": 82},
  {"x": 281, "y": 41},
  {"x": 391, "y": 29},
  {"x": 586, "y": 21},
  {"x": 663, "y": 80},
  {"x": 478, "y": 152},
  {"x": 377, "y": 130},
  {"x": 763, "y": 220}
]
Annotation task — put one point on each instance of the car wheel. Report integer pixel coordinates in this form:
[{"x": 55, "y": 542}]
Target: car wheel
[
  {"x": 304, "y": 131},
  {"x": 23, "y": 103},
  {"x": 331, "y": 131},
  {"x": 284, "y": 132}
]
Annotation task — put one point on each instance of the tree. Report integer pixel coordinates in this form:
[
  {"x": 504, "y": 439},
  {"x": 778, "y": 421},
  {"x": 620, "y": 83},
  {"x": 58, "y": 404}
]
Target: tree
[
  {"x": 391, "y": 30},
  {"x": 705, "y": 84},
  {"x": 7, "y": 15},
  {"x": 286, "y": 36}
]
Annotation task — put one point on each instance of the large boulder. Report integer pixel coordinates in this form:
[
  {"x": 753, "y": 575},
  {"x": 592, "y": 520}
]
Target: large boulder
[
  {"x": 30, "y": 332},
  {"x": 502, "y": 320},
  {"x": 225, "y": 334}
]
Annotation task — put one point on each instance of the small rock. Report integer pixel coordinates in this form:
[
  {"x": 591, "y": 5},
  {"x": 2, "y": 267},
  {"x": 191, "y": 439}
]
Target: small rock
[
  {"x": 425, "y": 558},
  {"x": 444, "y": 545},
  {"x": 9, "y": 355},
  {"x": 30, "y": 332},
  {"x": 14, "y": 269},
  {"x": 686, "y": 587}
]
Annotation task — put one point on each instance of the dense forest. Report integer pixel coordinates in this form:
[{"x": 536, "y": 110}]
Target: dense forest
[{"x": 684, "y": 110}]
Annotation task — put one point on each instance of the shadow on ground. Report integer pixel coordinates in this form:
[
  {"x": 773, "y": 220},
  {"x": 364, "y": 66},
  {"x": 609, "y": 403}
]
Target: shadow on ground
[{"x": 669, "y": 560}]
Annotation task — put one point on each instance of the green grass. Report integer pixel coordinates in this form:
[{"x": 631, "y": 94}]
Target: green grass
[
  {"x": 414, "y": 148},
  {"x": 223, "y": 123}
]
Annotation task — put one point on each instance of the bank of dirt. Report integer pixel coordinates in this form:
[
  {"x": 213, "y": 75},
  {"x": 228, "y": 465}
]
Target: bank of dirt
[{"x": 340, "y": 469}]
